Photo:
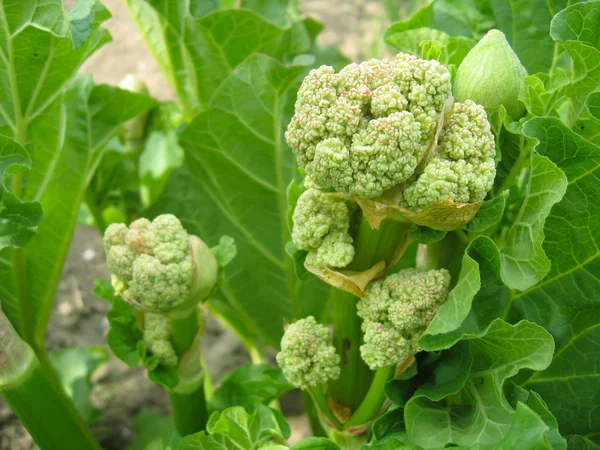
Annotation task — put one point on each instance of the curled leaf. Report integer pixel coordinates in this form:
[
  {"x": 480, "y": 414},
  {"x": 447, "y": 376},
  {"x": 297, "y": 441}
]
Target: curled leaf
[
  {"x": 442, "y": 216},
  {"x": 348, "y": 280}
]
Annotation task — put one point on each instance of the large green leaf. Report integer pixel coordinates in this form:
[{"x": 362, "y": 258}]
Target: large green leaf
[
  {"x": 197, "y": 54},
  {"x": 66, "y": 144},
  {"x": 567, "y": 302},
  {"x": 565, "y": 94},
  {"x": 235, "y": 429},
  {"x": 233, "y": 182},
  {"x": 524, "y": 262},
  {"x": 475, "y": 411},
  {"x": 38, "y": 58},
  {"x": 18, "y": 219}
]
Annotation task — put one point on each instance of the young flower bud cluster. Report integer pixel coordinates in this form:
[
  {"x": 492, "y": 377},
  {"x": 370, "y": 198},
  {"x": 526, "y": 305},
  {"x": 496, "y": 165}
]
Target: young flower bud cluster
[
  {"x": 321, "y": 225},
  {"x": 396, "y": 311},
  {"x": 307, "y": 357},
  {"x": 374, "y": 126},
  {"x": 156, "y": 266}
]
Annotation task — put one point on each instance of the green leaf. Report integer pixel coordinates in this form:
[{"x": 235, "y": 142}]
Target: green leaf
[
  {"x": 167, "y": 377},
  {"x": 240, "y": 177},
  {"x": 38, "y": 58},
  {"x": 426, "y": 235},
  {"x": 315, "y": 443},
  {"x": 452, "y": 313},
  {"x": 250, "y": 385},
  {"x": 75, "y": 367},
  {"x": 280, "y": 12},
  {"x": 229, "y": 37},
  {"x": 18, "y": 219},
  {"x": 66, "y": 144},
  {"x": 525, "y": 22},
  {"x": 524, "y": 262},
  {"x": 566, "y": 303},
  {"x": 124, "y": 334},
  {"x": 489, "y": 214},
  {"x": 578, "y": 22},
  {"x": 451, "y": 410},
  {"x": 225, "y": 252},
  {"x": 565, "y": 94},
  {"x": 593, "y": 104},
  {"x": 161, "y": 155},
  {"x": 298, "y": 257},
  {"x": 81, "y": 20},
  {"x": 151, "y": 431},
  {"x": 235, "y": 429}
]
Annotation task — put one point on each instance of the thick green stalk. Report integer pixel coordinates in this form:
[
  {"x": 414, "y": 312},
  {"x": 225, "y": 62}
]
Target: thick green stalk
[
  {"x": 188, "y": 399},
  {"x": 36, "y": 397},
  {"x": 371, "y": 246},
  {"x": 313, "y": 415},
  {"x": 189, "y": 410},
  {"x": 374, "y": 399},
  {"x": 321, "y": 401}
]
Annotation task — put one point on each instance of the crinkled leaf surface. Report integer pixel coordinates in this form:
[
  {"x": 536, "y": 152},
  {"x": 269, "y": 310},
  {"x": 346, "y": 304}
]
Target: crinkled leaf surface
[
  {"x": 567, "y": 301},
  {"x": 249, "y": 385},
  {"x": 124, "y": 334},
  {"x": 235, "y": 429},
  {"x": 444, "y": 412},
  {"x": 524, "y": 262}
]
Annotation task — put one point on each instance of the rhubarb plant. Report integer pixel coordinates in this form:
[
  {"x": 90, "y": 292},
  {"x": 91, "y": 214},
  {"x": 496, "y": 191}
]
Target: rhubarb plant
[{"x": 410, "y": 240}]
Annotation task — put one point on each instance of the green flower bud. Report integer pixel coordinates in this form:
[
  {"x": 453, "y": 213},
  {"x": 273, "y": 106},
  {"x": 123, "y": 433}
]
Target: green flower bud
[
  {"x": 157, "y": 267},
  {"x": 491, "y": 75}
]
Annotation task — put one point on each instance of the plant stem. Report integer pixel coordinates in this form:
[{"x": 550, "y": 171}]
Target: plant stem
[
  {"x": 374, "y": 399},
  {"x": 313, "y": 415},
  {"x": 189, "y": 407},
  {"x": 184, "y": 330},
  {"x": 34, "y": 393},
  {"x": 371, "y": 246},
  {"x": 321, "y": 401},
  {"x": 190, "y": 412}
]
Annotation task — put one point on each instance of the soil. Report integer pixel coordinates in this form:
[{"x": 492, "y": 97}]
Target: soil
[{"x": 79, "y": 317}]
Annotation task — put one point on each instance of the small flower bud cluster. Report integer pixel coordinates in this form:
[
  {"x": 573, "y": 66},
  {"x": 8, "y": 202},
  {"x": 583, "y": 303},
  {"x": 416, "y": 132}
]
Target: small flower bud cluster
[
  {"x": 157, "y": 337},
  {"x": 321, "y": 225},
  {"x": 150, "y": 262},
  {"x": 396, "y": 311},
  {"x": 307, "y": 357}
]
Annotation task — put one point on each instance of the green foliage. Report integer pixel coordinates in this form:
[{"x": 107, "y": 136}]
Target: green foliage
[
  {"x": 64, "y": 123},
  {"x": 18, "y": 219},
  {"x": 152, "y": 431},
  {"x": 75, "y": 367},
  {"x": 509, "y": 360},
  {"x": 235, "y": 429},
  {"x": 249, "y": 385}
]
